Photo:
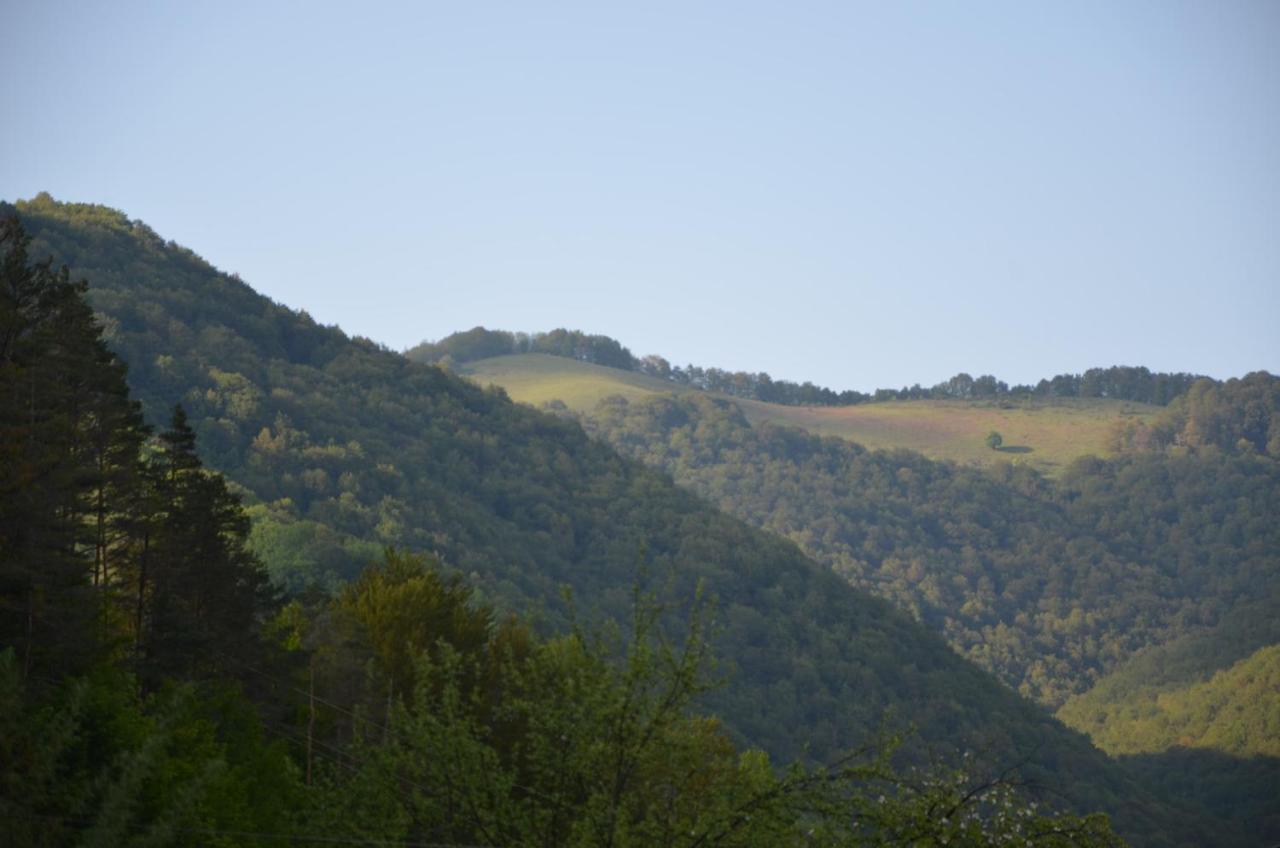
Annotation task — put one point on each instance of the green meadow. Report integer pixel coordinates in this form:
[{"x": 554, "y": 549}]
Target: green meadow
[
  {"x": 538, "y": 378},
  {"x": 1046, "y": 434}
]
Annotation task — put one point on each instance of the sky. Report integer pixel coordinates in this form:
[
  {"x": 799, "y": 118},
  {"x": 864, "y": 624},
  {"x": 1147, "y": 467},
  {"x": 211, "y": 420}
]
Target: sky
[{"x": 862, "y": 195}]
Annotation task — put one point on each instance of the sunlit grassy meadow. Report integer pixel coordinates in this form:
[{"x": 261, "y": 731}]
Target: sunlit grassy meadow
[{"x": 1044, "y": 434}]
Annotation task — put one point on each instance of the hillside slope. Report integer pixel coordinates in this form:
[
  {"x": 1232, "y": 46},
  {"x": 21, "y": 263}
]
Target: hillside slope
[
  {"x": 1047, "y": 434},
  {"x": 1048, "y": 585},
  {"x": 1216, "y": 689},
  {"x": 1236, "y": 711},
  {"x": 332, "y": 433}
]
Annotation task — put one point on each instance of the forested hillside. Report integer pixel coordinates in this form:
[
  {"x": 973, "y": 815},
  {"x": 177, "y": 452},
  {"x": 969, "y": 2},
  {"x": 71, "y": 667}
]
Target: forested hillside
[
  {"x": 346, "y": 445},
  {"x": 1236, "y": 711},
  {"x": 1210, "y": 689},
  {"x": 1051, "y": 584},
  {"x": 1047, "y": 584},
  {"x": 144, "y": 660}
]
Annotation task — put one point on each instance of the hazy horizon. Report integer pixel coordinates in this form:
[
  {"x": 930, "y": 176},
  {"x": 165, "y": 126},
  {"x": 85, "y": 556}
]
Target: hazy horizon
[{"x": 860, "y": 197}]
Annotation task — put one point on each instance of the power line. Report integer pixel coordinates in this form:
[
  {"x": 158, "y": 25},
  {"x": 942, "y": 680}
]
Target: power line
[
  {"x": 342, "y": 758},
  {"x": 315, "y": 839},
  {"x": 286, "y": 684}
]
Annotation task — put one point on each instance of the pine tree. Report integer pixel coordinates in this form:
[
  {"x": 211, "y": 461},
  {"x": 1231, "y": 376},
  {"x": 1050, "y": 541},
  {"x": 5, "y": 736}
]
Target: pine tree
[
  {"x": 203, "y": 591},
  {"x": 69, "y": 438},
  {"x": 97, "y": 546}
]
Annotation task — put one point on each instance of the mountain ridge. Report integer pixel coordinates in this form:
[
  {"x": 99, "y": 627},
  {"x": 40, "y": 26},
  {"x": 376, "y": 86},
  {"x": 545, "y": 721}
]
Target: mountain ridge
[{"x": 1118, "y": 382}]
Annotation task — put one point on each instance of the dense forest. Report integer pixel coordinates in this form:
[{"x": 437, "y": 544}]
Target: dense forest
[
  {"x": 1167, "y": 553},
  {"x": 1117, "y": 382},
  {"x": 1212, "y": 689},
  {"x": 341, "y": 447},
  {"x": 1238, "y": 416},
  {"x": 1046, "y": 584},
  {"x": 348, "y": 447},
  {"x": 145, "y": 661}
]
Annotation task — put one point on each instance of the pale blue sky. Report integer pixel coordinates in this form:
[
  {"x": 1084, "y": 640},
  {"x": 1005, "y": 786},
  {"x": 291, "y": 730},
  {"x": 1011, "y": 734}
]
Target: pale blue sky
[{"x": 858, "y": 194}]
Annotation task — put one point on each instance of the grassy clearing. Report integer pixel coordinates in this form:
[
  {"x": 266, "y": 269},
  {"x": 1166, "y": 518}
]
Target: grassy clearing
[
  {"x": 537, "y": 378},
  {"x": 1044, "y": 434}
]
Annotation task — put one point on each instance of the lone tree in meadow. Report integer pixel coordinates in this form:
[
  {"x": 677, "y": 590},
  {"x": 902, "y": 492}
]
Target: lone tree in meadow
[{"x": 994, "y": 440}]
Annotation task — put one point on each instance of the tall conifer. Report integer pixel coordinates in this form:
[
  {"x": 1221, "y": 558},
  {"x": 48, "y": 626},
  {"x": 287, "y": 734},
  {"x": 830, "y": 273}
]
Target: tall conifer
[
  {"x": 69, "y": 437},
  {"x": 207, "y": 589}
]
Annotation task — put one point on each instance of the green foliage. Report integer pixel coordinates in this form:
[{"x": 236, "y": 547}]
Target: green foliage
[
  {"x": 1047, "y": 585},
  {"x": 91, "y": 764},
  {"x": 406, "y": 608},
  {"x": 102, "y": 547},
  {"x": 993, "y": 440},
  {"x": 1236, "y": 711},
  {"x": 1209, "y": 689},
  {"x": 1238, "y": 415},
  {"x": 1230, "y": 788},
  {"x": 109, "y": 558},
  {"x": 69, "y": 438},
  {"x": 592, "y": 743},
  {"x": 320, "y": 428},
  {"x": 479, "y": 343},
  {"x": 384, "y": 451},
  {"x": 937, "y": 806},
  {"x": 300, "y": 554},
  {"x": 201, "y": 593},
  {"x": 1119, "y": 382}
]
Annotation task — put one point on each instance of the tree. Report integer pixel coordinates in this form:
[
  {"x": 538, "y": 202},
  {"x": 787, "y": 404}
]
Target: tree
[
  {"x": 69, "y": 439},
  {"x": 201, "y": 592},
  {"x": 593, "y": 741},
  {"x": 994, "y": 440}
]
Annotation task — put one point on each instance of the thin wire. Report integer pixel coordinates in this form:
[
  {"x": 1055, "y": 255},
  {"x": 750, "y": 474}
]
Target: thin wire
[
  {"x": 318, "y": 699},
  {"x": 290, "y": 837},
  {"x": 330, "y": 840},
  {"x": 342, "y": 758}
]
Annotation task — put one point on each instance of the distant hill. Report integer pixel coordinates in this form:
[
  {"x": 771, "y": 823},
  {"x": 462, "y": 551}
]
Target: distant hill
[
  {"x": 1199, "y": 717},
  {"x": 1044, "y": 433},
  {"x": 1047, "y": 584},
  {"x": 1236, "y": 711},
  {"x": 1051, "y": 584},
  {"x": 342, "y": 445},
  {"x": 1217, "y": 689},
  {"x": 1117, "y": 382}
]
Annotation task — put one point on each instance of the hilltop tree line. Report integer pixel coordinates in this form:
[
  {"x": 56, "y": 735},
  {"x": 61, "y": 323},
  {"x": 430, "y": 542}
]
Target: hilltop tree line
[
  {"x": 480, "y": 343},
  {"x": 154, "y": 690},
  {"x": 1117, "y": 382},
  {"x": 1236, "y": 416}
]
